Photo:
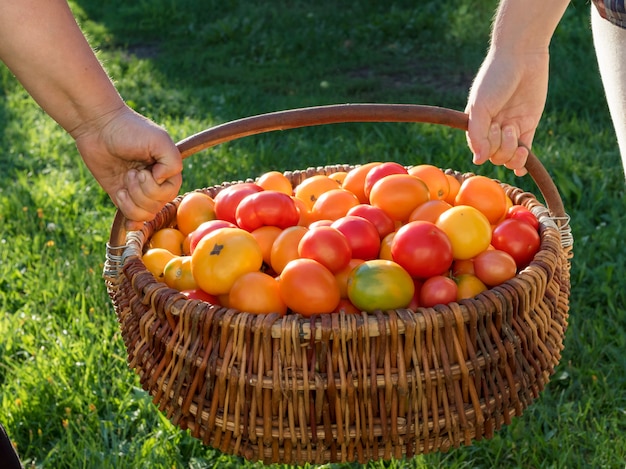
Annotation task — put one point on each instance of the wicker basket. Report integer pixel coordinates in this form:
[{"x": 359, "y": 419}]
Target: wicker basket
[{"x": 390, "y": 384}]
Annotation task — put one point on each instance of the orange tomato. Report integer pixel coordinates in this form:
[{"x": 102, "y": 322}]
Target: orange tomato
[
  {"x": 307, "y": 287},
  {"x": 468, "y": 286},
  {"x": 306, "y": 216},
  {"x": 385, "y": 246},
  {"x": 485, "y": 194},
  {"x": 285, "y": 247},
  {"x": 399, "y": 195},
  {"x": 455, "y": 185},
  {"x": 311, "y": 188},
  {"x": 275, "y": 181},
  {"x": 435, "y": 179},
  {"x": 194, "y": 208},
  {"x": 265, "y": 236},
  {"x": 339, "y": 176},
  {"x": 177, "y": 274},
  {"x": 334, "y": 204},
  {"x": 467, "y": 228},
  {"x": 355, "y": 180},
  {"x": 168, "y": 238},
  {"x": 155, "y": 260},
  {"x": 429, "y": 211},
  {"x": 343, "y": 274},
  {"x": 222, "y": 256},
  {"x": 257, "y": 293}
]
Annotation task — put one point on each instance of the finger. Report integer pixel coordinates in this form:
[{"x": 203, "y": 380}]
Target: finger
[
  {"x": 477, "y": 134},
  {"x": 518, "y": 161},
  {"x": 133, "y": 202},
  {"x": 168, "y": 164},
  {"x": 495, "y": 140},
  {"x": 508, "y": 146}
]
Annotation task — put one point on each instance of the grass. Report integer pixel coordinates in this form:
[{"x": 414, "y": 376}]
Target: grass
[{"x": 67, "y": 396}]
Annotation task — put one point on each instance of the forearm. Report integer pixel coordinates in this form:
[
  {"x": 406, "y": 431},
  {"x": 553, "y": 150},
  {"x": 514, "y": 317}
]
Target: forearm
[
  {"x": 42, "y": 45},
  {"x": 526, "y": 26}
]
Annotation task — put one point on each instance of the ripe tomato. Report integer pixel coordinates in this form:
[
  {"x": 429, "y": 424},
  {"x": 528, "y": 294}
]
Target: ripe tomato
[
  {"x": 265, "y": 236},
  {"x": 485, "y": 194},
  {"x": 437, "y": 290},
  {"x": 493, "y": 267},
  {"x": 312, "y": 187},
  {"x": 455, "y": 185},
  {"x": 467, "y": 228},
  {"x": 345, "y": 306},
  {"x": 326, "y": 245},
  {"x": 334, "y": 204},
  {"x": 385, "y": 246},
  {"x": 285, "y": 247},
  {"x": 468, "y": 286},
  {"x": 307, "y": 287},
  {"x": 361, "y": 234},
  {"x": 399, "y": 194},
  {"x": 256, "y": 293},
  {"x": 518, "y": 238},
  {"x": 193, "y": 209},
  {"x": 429, "y": 211},
  {"x": 422, "y": 249},
  {"x": 379, "y": 284},
  {"x": 198, "y": 294},
  {"x": 266, "y": 208},
  {"x": 155, "y": 260},
  {"x": 275, "y": 181},
  {"x": 343, "y": 275},
  {"x": 177, "y": 274},
  {"x": 204, "y": 229},
  {"x": 355, "y": 180},
  {"x": 383, "y": 222},
  {"x": 168, "y": 238},
  {"x": 435, "y": 179},
  {"x": 222, "y": 256},
  {"x": 380, "y": 171},
  {"x": 227, "y": 199},
  {"x": 520, "y": 212}
]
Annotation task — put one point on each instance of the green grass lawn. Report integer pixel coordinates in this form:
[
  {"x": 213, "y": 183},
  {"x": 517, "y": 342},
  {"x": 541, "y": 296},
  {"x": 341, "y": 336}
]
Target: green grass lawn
[{"x": 67, "y": 396}]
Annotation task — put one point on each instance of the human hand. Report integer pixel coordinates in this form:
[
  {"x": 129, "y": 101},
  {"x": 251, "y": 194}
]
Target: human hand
[
  {"x": 504, "y": 106},
  {"x": 134, "y": 160}
]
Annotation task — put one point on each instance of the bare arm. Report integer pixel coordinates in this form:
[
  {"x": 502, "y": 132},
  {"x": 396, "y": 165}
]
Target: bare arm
[
  {"x": 509, "y": 92},
  {"x": 132, "y": 158}
]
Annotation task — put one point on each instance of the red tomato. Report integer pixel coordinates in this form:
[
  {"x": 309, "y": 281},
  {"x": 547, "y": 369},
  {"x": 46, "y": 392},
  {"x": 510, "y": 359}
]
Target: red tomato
[
  {"x": 437, "y": 290},
  {"x": 519, "y": 212},
  {"x": 493, "y": 267},
  {"x": 198, "y": 294},
  {"x": 266, "y": 208},
  {"x": 326, "y": 245},
  {"x": 361, "y": 234},
  {"x": 380, "y": 171},
  {"x": 422, "y": 249},
  {"x": 517, "y": 238},
  {"x": 205, "y": 228},
  {"x": 383, "y": 222},
  {"x": 227, "y": 200}
]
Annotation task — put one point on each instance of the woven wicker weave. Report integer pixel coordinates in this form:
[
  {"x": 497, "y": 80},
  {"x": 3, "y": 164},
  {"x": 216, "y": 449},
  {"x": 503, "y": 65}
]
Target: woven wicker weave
[{"x": 345, "y": 387}]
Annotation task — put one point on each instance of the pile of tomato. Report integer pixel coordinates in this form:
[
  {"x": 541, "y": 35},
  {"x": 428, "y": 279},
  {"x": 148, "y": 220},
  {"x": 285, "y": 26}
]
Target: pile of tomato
[{"x": 379, "y": 236}]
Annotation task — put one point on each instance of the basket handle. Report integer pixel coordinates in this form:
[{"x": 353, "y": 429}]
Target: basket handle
[{"x": 343, "y": 113}]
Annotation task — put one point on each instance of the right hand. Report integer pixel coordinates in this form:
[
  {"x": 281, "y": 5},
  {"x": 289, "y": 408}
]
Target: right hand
[{"x": 505, "y": 105}]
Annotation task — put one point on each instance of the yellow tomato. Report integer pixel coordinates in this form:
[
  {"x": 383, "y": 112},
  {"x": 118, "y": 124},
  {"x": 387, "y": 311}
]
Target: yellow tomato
[
  {"x": 222, "y": 256},
  {"x": 177, "y": 274},
  {"x": 467, "y": 228}
]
